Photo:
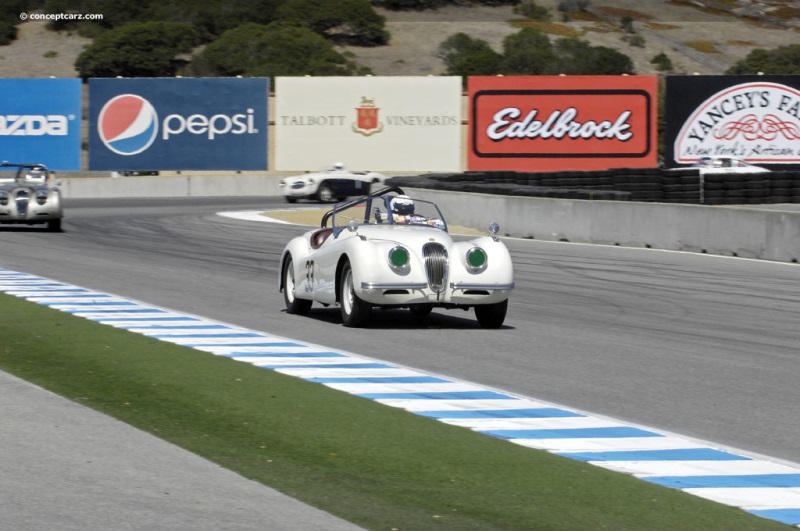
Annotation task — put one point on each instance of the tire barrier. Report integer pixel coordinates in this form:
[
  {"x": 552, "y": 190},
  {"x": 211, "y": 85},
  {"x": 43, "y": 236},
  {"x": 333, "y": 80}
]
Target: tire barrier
[{"x": 658, "y": 185}]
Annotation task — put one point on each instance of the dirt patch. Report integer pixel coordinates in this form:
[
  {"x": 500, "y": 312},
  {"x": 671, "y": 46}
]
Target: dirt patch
[
  {"x": 312, "y": 217},
  {"x": 666, "y": 26},
  {"x": 39, "y": 52}
]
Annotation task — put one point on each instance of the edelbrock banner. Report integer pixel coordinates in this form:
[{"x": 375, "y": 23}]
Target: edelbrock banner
[
  {"x": 555, "y": 123},
  {"x": 40, "y": 122},
  {"x": 368, "y": 123},
  {"x": 178, "y": 124},
  {"x": 754, "y": 118}
]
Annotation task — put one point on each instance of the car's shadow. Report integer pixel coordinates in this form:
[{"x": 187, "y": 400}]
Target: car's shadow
[
  {"x": 25, "y": 228},
  {"x": 401, "y": 319}
]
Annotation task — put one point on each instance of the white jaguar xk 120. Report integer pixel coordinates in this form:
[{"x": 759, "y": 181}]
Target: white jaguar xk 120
[{"x": 387, "y": 250}]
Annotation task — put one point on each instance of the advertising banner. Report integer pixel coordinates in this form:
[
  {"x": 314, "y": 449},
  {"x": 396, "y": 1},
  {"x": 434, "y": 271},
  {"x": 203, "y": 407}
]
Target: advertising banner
[
  {"x": 40, "y": 122},
  {"x": 554, "y": 123},
  {"x": 178, "y": 124},
  {"x": 368, "y": 123},
  {"x": 753, "y": 118}
]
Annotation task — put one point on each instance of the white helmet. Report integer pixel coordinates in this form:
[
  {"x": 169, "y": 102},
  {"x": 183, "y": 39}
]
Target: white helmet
[
  {"x": 402, "y": 205},
  {"x": 338, "y": 166}
]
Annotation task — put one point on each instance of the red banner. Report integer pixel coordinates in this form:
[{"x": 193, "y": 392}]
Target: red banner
[{"x": 554, "y": 123}]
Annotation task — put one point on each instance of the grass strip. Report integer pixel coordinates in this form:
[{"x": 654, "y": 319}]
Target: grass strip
[{"x": 376, "y": 466}]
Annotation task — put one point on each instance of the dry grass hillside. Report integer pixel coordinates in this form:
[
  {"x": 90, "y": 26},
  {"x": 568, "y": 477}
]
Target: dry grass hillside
[{"x": 701, "y": 36}]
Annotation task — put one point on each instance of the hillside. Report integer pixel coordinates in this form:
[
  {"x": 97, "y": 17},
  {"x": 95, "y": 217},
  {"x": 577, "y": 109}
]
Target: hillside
[{"x": 697, "y": 39}]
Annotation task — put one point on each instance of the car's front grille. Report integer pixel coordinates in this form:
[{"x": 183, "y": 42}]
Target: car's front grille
[{"x": 435, "y": 256}]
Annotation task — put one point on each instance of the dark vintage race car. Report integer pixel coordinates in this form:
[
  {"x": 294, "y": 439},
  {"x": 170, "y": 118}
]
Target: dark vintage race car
[
  {"x": 28, "y": 197},
  {"x": 387, "y": 250}
]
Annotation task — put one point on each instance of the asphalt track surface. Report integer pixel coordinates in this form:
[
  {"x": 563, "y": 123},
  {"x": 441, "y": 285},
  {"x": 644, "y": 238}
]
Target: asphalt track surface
[{"x": 702, "y": 346}]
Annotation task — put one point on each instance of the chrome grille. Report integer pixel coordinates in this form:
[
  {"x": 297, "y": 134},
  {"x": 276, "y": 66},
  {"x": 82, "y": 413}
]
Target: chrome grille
[{"x": 435, "y": 256}]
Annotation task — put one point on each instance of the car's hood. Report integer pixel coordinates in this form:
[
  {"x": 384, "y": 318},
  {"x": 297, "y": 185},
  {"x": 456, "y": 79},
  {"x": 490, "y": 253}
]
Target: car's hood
[{"x": 411, "y": 235}]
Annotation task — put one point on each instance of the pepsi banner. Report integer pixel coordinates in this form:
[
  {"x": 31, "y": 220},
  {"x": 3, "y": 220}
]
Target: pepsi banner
[
  {"x": 178, "y": 124},
  {"x": 40, "y": 122},
  {"x": 753, "y": 118}
]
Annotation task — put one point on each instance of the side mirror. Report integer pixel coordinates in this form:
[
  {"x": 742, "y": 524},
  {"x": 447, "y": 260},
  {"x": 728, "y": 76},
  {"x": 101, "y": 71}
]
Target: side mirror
[
  {"x": 352, "y": 226},
  {"x": 494, "y": 228}
]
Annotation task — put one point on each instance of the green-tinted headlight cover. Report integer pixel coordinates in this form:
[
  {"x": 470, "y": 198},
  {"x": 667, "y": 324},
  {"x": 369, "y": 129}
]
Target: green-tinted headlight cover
[
  {"x": 398, "y": 257},
  {"x": 476, "y": 258}
]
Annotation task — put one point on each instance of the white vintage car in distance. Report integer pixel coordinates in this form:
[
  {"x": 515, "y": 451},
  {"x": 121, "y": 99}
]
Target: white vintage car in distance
[
  {"x": 334, "y": 184},
  {"x": 387, "y": 250},
  {"x": 727, "y": 165},
  {"x": 27, "y": 197}
]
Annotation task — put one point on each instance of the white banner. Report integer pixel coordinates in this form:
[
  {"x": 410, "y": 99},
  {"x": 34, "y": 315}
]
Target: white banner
[{"x": 368, "y": 123}]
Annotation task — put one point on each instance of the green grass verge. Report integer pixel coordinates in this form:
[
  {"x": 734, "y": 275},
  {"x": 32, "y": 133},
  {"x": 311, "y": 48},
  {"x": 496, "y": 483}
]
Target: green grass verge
[{"x": 379, "y": 467}]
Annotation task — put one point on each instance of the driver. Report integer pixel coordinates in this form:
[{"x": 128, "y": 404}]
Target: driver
[{"x": 403, "y": 210}]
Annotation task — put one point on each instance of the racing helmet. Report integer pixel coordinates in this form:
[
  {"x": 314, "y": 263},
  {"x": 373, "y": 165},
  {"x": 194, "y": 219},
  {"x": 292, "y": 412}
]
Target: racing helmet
[
  {"x": 402, "y": 205},
  {"x": 338, "y": 166}
]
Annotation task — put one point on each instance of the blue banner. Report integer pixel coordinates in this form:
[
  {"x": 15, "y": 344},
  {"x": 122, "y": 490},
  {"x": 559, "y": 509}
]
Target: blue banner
[
  {"x": 178, "y": 124},
  {"x": 40, "y": 122}
]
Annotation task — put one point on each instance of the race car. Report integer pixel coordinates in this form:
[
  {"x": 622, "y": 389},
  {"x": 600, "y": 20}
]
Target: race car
[
  {"x": 27, "y": 197},
  {"x": 333, "y": 184},
  {"x": 727, "y": 165},
  {"x": 388, "y": 250}
]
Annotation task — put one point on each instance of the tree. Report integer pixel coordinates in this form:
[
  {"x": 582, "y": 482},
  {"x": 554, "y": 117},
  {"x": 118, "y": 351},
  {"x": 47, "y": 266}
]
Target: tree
[
  {"x": 574, "y": 56},
  {"x": 662, "y": 62},
  {"x": 529, "y": 9},
  {"x": 9, "y": 18},
  {"x": 784, "y": 60},
  {"x": 465, "y": 56},
  {"x": 527, "y": 52},
  {"x": 278, "y": 49},
  {"x": 140, "y": 49},
  {"x": 352, "y": 21}
]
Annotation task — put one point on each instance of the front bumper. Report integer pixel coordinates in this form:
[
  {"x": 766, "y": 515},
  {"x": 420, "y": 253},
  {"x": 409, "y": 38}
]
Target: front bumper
[{"x": 454, "y": 294}]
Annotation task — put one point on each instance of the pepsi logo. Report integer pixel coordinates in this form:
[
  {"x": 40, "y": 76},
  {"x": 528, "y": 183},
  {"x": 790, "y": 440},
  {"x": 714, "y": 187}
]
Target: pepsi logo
[{"x": 128, "y": 124}]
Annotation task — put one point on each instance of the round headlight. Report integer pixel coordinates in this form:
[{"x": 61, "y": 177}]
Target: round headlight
[
  {"x": 476, "y": 258},
  {"x": 398, "y": 257}
]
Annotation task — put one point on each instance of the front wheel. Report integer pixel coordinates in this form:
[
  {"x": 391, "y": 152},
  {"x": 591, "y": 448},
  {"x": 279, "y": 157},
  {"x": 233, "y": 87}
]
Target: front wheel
[
  {"x": 492, "y": 315},
  {"x": 293, "y": 304},
  {"x": 355, "y": 312}
]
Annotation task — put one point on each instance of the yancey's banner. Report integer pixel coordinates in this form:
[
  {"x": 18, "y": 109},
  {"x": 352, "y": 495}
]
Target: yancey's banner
[
  {"x": 754, "y": 118},
  {"x": 178, "y": 124},
  {"x": 40, "y": 122},
  {"x": 554, "y": 123},
  {"x": 368, "y": 123}
]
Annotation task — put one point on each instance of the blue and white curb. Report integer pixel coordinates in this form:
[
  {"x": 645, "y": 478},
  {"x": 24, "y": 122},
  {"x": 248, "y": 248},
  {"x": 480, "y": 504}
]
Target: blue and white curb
[{"x": 759, "y": 485}]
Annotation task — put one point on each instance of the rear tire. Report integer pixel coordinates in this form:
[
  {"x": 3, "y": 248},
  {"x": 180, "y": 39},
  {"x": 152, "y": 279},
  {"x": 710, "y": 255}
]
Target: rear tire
[
  {"x": 293, "y": 304},
  {"x": 492, "y": 315},
  {"x": 355, "y": 312}
]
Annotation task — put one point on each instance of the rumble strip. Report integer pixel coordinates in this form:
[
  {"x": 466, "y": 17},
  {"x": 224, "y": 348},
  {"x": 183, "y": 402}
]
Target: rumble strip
[{"x": 756, "y": 484}]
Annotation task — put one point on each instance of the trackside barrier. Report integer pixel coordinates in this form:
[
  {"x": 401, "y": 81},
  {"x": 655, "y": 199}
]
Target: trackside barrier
[
  {"x": 744, "y": 232},
  {"x": 732, "y": 231},
  {"x": 171, "y": 186}
]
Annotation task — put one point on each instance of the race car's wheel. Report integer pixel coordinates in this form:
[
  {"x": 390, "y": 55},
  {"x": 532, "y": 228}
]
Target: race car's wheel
[
  {"x": 54, "y": 225},
  {"x": 355, "y": 312},
  {"x": 492, "y": 315},
  {"x": 293, "y": 304},
  {"x": 290, "y": 199},
  {"x": 421, "y": 310},
  {"x": 325, "y": 194}
]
